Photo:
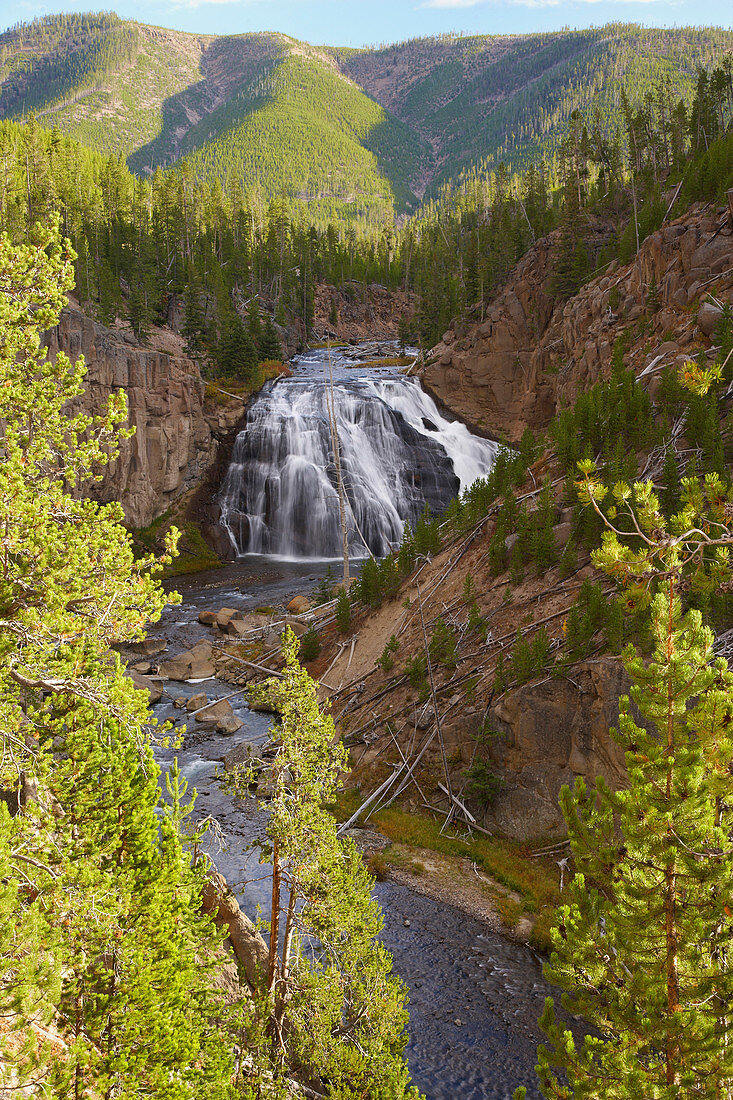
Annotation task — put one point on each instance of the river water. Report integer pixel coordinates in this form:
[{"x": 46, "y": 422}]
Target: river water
[
  {"x": 475, "y": 997},
  {"x": 456, "y": 969}
]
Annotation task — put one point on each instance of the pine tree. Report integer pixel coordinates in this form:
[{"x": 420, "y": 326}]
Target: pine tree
[
  {"x": 343, "y": 611},
  {"x": 89, "y": 872},
  {"x": 236, "y": 353},
  {"x": 270, "y": 345},
  {"x": 643, "y": 940},
  {"x": 334, "y": 1009},
  {"x": 670, "y": 495},
  {"x": 194, "y": 317},
  {"x": 254, "y": 326}
]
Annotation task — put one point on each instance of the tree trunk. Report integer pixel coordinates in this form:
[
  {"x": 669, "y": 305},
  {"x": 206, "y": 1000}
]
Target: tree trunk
[
  {"x": 670, "y": 877},
  {"x": 249, "y": 948},
  {"x": 339, "y": 479}
]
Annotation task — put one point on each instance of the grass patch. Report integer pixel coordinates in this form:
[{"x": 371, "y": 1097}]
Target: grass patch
[
  {"x": 508, "y": 862},
  {"x": 509, "y": 910},
  {"x": 194, "y": 552}
]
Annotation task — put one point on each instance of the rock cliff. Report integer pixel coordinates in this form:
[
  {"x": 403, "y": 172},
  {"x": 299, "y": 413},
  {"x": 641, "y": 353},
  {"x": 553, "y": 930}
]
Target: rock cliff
[
  {"x": 531, "y": 352},
  {"x": 177, "y": 433}
]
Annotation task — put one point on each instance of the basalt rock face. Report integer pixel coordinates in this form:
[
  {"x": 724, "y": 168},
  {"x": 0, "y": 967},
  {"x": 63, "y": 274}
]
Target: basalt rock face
[
  {"x": 531, "y": 353},
  {"x": 175, "y": 440},
  {"x": 484, "y": 373},
  {"x": 551, "y": 733}
]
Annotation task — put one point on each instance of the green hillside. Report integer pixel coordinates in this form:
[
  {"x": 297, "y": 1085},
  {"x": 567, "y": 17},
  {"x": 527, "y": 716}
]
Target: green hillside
[
  {"x": 266, "y": 110},
  {"x": 96, "y": 78},
  {"x": 481, "y": 100},
  {"x": 304, "y": 127},
  {"x": 358, "y": 133}
]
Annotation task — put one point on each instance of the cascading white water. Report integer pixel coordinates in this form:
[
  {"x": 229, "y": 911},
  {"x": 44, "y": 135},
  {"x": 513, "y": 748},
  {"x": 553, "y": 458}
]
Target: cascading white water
[{"x": 398, "y": 453}]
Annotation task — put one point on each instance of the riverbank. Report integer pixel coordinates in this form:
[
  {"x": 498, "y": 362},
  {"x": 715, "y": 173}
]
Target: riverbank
[
  {"x": 513, "y": 888},
  {"x": 475, "y": 993}
]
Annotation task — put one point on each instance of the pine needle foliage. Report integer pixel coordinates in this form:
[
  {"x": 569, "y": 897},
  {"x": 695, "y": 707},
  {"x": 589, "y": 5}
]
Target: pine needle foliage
[
  {"x": 642, "y": 942},
  {"x": 101, "y": 939},
  {"x": 332, "y": 1006}
]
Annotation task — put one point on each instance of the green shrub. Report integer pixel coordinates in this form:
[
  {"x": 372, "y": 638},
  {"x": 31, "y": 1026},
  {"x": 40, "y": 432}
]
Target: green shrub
[
  {"x": 310, "y": 645},
  {"x": 386, "y": 661},
  {"x": 343, "y": 611},
  {"x": 541, "y": 650},
  {"x": 416, "y": 671},
  {"x": 443, "y": 646},
  {"x": 427, "y": 534},
  {"x": 323, "y": 592},
  {"x": 483, "y": 783},
  {"x": 522, "y": 664}
]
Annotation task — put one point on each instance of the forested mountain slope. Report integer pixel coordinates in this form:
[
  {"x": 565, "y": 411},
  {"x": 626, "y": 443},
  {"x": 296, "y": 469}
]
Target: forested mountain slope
[
  {"x": 492, "y": 98},
  {"x": 366, "y": 132},
  {"x": 264, "y": 110}
]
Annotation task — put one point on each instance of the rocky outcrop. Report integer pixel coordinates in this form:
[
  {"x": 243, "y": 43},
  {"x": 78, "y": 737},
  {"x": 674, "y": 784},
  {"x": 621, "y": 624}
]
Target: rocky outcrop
[
  {"x": 532, "y": 353},
  {"x": 355, "y": 312},
  {"x": 176, "y": 435},
  {"x": 484, "y": 373},
  {"x": 550, "y": 733}
]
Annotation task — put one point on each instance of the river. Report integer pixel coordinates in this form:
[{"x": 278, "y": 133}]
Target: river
[{"x": 475, "y": 996}]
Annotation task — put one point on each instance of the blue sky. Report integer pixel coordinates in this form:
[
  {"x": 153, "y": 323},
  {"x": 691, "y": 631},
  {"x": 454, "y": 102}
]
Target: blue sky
[{"x": 358, "y": 23}]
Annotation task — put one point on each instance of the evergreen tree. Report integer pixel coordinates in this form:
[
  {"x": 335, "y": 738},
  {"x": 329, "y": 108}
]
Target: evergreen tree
[
  {"x": 194, "y": 315},
  {"x": 343, "y": 611},
  {"x": 236, "y": 353},
  {"x": 642, "y": 942},
  {"x": 670, "y": 495},
  {"x": 254, "y": 326},
  {"x": 334, "y": 1008},
  {"x": 270, "y": 345},
  {"x": 89, "y": 871}
]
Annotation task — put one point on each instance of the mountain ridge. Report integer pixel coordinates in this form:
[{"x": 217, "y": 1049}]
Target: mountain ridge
[{"x": 368, "y": 133}]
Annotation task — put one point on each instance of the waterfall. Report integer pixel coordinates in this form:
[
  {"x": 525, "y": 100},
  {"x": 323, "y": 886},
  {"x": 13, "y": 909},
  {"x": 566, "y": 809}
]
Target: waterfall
[{"x": 398, "y": 453}]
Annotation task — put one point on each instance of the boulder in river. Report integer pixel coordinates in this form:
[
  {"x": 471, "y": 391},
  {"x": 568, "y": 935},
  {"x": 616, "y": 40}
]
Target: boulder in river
[
  {"x": 240, "y": 754},
  {"x": 229, "y": 724},
  {"x": 153, "y": 688},
  {"x": 148, "y": 647},
  {"x": 192, "y": 664},
  {"x": 207, "y": 618},
  {"x": 200, "y": 699},
  {"x": 225, "y": 615},
  {"x": 247, "y": 624},
  {"x": 215, "y": 713}
]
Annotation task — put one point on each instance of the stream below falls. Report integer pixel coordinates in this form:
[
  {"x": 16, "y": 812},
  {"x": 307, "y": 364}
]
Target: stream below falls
[{"x": 475, "y": 996}]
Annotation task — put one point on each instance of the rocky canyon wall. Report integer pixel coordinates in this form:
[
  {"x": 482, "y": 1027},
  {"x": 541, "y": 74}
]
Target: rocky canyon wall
[
  {"x": 177, "y": 435},
  {"x": 531, "y": 353},
  {"x": 512, "y": 370}
]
